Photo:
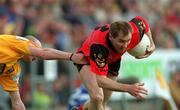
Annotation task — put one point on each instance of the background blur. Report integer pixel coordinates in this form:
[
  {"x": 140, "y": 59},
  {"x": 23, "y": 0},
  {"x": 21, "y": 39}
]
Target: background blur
[{"x": 65, "y": 24}]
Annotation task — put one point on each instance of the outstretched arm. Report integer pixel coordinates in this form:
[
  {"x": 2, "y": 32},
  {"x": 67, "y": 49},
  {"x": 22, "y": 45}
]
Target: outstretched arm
[{"x": 53, "y": 54}]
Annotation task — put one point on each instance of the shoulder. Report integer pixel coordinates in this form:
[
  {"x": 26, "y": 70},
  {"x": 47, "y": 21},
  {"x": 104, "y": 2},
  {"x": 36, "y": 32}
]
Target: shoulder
[
  {"x": 140, "y": 21},
  {"x": 99, "y": 34},
  {"x": 102, "y": 28},
  {"x": 140, "y": 17}
]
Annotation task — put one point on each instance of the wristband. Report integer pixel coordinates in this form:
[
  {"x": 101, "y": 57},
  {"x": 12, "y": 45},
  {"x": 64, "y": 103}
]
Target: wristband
[{"x": 71, "y": 56}]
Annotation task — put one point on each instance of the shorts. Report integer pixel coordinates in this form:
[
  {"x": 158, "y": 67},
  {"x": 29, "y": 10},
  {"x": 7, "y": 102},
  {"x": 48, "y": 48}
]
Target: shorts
[
  {"x": 113, "y": 68},
  {"x": 79, "y": 66},
  {"x": 9, "y": 82}
]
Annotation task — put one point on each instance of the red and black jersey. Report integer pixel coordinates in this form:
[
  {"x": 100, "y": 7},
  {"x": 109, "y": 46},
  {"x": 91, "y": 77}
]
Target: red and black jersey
[
  {"x": 138, "y": 30},
  {"x": 101, "y": 53}
]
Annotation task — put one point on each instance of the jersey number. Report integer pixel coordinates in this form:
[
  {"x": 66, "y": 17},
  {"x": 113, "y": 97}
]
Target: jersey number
[{"x": 103, "y": 28}]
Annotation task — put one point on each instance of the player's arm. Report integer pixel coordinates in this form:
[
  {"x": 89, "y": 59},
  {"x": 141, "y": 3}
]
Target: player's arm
[
  {"x": 152, "y": 47},
  {"x": 53, "y": 54},
  {"x": 147, "y": 31},
  {"x": 105, "y": 82},
  {"x": 135, "y": 90}
]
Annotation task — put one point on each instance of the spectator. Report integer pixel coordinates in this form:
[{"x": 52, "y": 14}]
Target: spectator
[
  {"x": 25, "y": 91},
  {"x": 61, "y": 91},
  {"x": 42, "y": 101}
]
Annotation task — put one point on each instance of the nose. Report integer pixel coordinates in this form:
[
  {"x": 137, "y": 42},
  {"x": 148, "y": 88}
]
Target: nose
[{"x": 126, "y": 44}]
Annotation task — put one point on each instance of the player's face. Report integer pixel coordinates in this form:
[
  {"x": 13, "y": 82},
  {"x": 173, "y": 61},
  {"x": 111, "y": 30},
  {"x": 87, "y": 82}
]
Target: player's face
[{"x": 120, "y": 43}]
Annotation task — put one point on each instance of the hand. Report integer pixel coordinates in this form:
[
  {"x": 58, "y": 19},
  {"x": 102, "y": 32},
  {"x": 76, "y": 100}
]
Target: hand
[
  {"x": 149, "y": 51},
  {"x": 137, "y": 90},
  {"x": 79, "y": 58}
]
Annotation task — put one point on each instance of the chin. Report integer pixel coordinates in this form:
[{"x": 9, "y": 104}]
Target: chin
[{"x": 120, "y": 50}]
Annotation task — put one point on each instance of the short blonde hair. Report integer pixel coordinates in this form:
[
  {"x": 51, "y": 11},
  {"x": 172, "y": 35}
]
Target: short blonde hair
[{"x": 34, "y": 41}]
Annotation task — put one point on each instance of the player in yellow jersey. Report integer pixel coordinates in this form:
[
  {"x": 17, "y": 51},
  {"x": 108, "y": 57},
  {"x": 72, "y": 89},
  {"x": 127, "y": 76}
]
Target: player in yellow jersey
[{"x": 14, "y": 48}]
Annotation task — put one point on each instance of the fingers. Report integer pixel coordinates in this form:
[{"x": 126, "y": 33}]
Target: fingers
[
  {"x": 139, "y": 97},
  {"x": 138, "y": 91},
  {"x": 150, "y": 50},
  {"x": 143, "y": 91},
  {"x": 140, "y": 84}
]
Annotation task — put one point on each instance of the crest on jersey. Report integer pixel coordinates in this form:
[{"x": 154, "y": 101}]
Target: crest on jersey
[
  {"x": 142, "y": 25},
  {"x": 100, "y": 60},
  {"x": 99, "y": 54}
]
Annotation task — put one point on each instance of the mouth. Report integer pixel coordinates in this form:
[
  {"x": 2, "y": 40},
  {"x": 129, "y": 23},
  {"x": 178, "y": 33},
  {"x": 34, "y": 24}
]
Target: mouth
[{"x": 121, "y": 49}]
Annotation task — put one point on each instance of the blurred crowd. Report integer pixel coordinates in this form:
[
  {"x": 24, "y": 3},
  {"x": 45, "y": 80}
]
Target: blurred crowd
[{"x": 65, "y": 24}]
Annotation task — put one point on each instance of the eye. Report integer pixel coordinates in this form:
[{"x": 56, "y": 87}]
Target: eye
[{"x": 120, "y": 41}]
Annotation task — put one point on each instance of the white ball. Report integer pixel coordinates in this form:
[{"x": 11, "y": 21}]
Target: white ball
[{"x": 141, "y": 48}]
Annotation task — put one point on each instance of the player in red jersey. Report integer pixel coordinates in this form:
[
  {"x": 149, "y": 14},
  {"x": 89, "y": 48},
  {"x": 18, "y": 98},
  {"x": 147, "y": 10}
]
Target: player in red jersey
[{"x": 104, "y": 49}]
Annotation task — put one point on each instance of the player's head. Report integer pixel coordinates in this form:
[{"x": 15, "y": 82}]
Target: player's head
[
  {"x": 120, "y": 35},
  {"x": 34, "y": 42}
]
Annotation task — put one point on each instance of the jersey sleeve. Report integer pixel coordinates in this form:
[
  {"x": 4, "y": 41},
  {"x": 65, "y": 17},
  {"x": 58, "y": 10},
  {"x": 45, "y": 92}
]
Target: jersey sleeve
[
  {"x": 98, "y": 59},
  {"x": 145, "y": 22},
  {"x": 140, "y": 26},
  {"x": 20, "y": 45}
]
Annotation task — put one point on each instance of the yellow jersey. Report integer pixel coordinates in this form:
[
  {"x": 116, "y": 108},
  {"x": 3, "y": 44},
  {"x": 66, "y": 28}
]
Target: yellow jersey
[{"x": 12, "y": 49}]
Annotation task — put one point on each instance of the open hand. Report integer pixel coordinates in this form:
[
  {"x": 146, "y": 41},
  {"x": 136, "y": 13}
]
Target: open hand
[{"x": 137, "y": 90}]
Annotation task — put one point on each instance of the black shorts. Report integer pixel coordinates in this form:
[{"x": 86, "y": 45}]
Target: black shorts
[
  {"x": 113, "y": 68},
  {"x": 79, "y": 66}
]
